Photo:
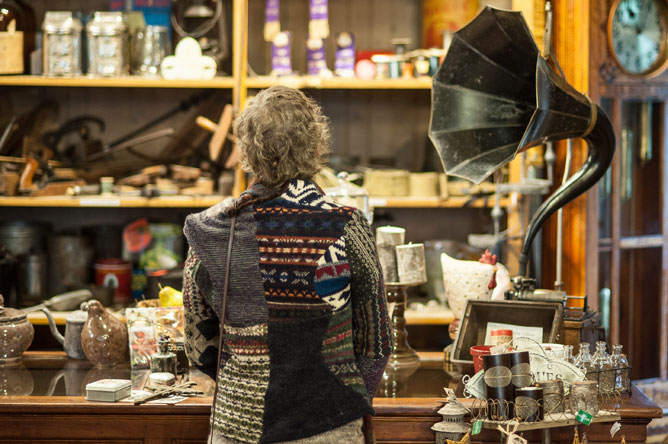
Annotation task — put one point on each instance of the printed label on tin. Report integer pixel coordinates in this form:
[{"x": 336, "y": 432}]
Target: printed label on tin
[{"x": 498, "y": 376}]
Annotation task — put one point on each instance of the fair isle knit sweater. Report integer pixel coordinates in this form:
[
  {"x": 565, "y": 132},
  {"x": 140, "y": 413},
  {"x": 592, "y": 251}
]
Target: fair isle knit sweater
[{"x": 307, "y": 334}]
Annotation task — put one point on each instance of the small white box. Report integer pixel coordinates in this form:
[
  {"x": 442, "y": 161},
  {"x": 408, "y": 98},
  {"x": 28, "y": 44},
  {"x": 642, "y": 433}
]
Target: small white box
[{"x": 110, "y": 390}]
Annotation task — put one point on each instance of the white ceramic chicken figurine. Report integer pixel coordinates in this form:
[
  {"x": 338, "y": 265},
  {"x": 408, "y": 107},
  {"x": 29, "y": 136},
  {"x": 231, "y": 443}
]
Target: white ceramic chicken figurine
[
  {"x": 465, "y": 280},
  {"x": 482, "y": 279}
]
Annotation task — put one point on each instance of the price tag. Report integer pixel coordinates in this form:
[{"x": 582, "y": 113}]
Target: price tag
[
  {"x": 477, "y": 427},
  {"x": 583, "y": 417}
]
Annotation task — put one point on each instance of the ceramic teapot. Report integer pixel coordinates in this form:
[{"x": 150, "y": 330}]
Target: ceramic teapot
[
  {"x": 74, "y": 324},
  {"x": 104, "y": 338},
  {"x": 16, "y": 334}
]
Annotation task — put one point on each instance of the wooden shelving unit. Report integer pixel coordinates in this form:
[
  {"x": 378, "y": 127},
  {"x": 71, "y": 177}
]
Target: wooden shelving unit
[
  {"x": 112, "y": 202},
  {"x": 115, "y": 82},
  {"x": 302, "y": 82},
  {"x": 207, "y": 201}
]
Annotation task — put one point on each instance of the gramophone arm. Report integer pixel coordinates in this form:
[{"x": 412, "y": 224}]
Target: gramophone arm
[{"x": 601, "y": 144}]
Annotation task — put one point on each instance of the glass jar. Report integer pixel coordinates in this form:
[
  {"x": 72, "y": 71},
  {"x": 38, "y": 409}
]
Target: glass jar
[
  {"x": 107, "y": 45},
  {"x": 62, "y": 44},
  {"x": 347, "y": 193},
  {"x": 601, "y": 369},
  {"x": 621, "y": 368},
  {"x": 11, "y": 38}
]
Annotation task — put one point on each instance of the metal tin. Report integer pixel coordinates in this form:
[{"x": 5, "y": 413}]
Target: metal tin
[
  {"x": 32, "y": 280},
  {"x": 61, "y": 44},
  {"x": 21, "y": 238},
  {"x": 107, "y": 37},
  {"x": 499, "y": 389},
  {"x": 521, "y": 369},
  {"x": 529, "y": 404}
]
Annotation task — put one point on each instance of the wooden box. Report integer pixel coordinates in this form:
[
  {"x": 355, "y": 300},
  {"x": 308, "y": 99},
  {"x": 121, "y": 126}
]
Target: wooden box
[{"x": 478, "y": 313}]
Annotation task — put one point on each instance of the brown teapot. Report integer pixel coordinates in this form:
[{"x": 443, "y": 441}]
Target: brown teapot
[{"x": 16, "y": 334}]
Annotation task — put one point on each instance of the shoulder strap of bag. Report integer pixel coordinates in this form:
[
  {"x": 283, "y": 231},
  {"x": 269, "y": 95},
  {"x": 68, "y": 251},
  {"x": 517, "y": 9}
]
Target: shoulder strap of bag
[{"x": 221, "y": 330}]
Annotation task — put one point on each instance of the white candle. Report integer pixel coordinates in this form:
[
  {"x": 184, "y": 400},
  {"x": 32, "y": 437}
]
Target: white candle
[
  {"x": 411, "y": 264},
  {"x": 387, "y": 239}
]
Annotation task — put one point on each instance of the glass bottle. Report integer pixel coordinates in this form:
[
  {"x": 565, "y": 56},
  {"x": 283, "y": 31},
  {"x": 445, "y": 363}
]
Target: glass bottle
[
  {"x": 601, "y": 369},
  {"x": 583, "y": 359},
  {"x": 11, "y": 38},
  {"x": 29, "y": 28},
  {"x": 568, "y": 354},
  {"x": 621, "y": 367},
  {"x": 17, "y": 36}
]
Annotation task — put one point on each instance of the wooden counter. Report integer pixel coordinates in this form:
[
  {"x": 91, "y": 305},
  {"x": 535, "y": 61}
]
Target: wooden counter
[{"x": 71, "y": 419}]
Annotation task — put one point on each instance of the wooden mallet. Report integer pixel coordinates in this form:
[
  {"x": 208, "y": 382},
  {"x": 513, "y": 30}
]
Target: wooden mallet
[{"x": 221, "y": 132}]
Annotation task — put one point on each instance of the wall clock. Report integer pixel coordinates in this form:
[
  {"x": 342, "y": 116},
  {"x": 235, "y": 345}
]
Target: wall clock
[{"x": 638, "y": 36}]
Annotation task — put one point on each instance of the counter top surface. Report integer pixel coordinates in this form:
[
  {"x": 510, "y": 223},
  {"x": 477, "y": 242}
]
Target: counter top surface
[{"x": 50, "y": 382}]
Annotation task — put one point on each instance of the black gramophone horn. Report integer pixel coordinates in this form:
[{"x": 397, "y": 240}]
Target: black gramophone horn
[{"x": 495, "y": 96}]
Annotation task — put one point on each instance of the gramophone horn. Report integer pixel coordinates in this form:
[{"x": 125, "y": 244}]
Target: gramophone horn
[{"x": 494, "y": 96}]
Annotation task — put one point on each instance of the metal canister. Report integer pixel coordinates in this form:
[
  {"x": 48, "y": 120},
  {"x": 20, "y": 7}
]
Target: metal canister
[
  {"x": 521, "y": 369},
  {"x": 529, "y": 404},
  {"x": 32, "y": 280},
  {"x": 499, "y": 389},
  {"x": 107, "y": 37},
  {"x": 61, "y": 44},
  {"x": 22, "y": 238}
]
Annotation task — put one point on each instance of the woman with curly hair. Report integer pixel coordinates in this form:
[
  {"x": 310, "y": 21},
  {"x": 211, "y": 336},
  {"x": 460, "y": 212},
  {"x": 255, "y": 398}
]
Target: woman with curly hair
[{"x": 306, "y": 333}]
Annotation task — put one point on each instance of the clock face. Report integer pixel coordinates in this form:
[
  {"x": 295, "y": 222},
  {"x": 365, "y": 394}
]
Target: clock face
[{"x": 637, "y": 33}]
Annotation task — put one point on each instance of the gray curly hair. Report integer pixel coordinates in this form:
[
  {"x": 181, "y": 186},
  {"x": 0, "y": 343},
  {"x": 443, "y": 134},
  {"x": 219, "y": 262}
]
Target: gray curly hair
[{"x": 282, "y": 135}]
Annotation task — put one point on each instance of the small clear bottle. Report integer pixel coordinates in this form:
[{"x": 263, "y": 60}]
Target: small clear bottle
[
  {"x": 568, "y": 354},
  {"x": 583, "y": 358},
  {"x": 601, "y": 369},
  {"x": 621, "y": 368}
]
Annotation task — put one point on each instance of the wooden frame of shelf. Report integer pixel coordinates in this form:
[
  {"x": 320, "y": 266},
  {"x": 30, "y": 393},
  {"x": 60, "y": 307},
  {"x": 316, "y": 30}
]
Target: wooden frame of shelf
[
  {"x": 207, "y": 201},
  {"x": 116, "y": 82},
  {"x": 300, "y": 82}
]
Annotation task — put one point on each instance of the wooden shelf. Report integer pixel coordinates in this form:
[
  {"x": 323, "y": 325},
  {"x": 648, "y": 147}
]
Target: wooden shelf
[
  {"x": 217, "y": 82},
  {"x": 112, "y": 201},
  {"x": 115, "y": 82},
  {"x": 314, "y": 82},
  {"x": 207, "y": 201},
  {"x": 436, "y": 202},
  {"x": 429, "y": 316}
]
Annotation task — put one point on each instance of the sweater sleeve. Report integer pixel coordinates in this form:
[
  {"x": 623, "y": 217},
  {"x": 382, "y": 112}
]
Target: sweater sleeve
[
  {"x": 201, "y": 323},
  {"x": 372, "y": 337}
]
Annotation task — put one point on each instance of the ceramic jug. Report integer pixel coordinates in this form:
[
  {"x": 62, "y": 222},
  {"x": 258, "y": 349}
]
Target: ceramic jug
[
  {"x": 104, "y": 338},
  {"x": 16, "y": 334},
  {"x": 74, "y": 324}
]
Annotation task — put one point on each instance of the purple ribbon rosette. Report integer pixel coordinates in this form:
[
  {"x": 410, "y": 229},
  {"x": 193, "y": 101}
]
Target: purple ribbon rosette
[
  {"x": 344, "y": 65},
  {"x": 272, "y": 25},
  {"x": 280, "y": 55},
  {"x": 316, "y": 61},
  {"x": 318, "y": 25}
]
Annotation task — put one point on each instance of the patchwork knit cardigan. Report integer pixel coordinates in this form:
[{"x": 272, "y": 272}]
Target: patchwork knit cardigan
[{"x": 307, "y": 334}]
